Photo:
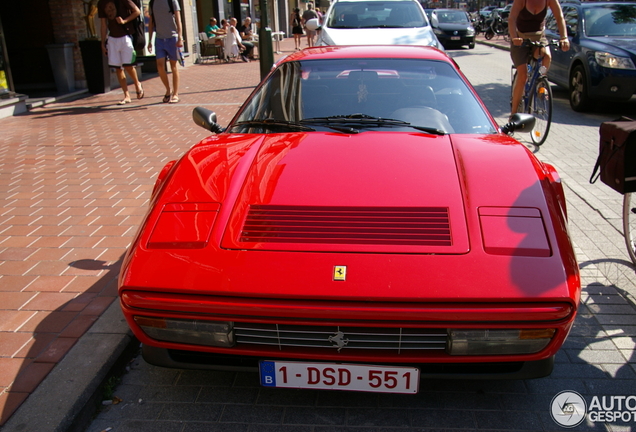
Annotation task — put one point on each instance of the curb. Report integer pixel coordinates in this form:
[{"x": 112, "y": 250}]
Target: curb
[
  {"x": 493, "y": 44},
  {"x": 39, "y": 102},
  {"x": 69, "y": 396}
]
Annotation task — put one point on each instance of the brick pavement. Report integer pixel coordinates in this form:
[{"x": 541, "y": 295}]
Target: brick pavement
[{"x": 74, "y": 183}]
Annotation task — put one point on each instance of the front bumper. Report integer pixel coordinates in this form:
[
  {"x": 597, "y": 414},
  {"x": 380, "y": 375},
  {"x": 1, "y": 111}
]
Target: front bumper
[
  {"x": 181, "y": 359},
  {"x": 463, "y": 40},
  {"x": 376, "y": 333},
  {"x": 614, "y": 87}
]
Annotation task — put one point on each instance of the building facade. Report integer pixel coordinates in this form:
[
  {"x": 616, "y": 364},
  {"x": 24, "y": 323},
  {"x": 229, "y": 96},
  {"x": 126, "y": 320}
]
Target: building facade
[{"x": 34, "y": 31}]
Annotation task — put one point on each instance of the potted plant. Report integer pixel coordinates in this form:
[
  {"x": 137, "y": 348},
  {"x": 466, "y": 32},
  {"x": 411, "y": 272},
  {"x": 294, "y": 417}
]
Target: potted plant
[{"x": 93, "y": 59}]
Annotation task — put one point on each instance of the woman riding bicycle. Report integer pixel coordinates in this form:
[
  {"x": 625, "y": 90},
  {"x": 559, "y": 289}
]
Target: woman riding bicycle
[{"x": 527, "y": 21}]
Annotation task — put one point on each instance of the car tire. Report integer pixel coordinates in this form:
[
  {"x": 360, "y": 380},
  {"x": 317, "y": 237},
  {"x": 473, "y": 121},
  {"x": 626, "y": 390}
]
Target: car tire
[
  {"x": 471, "y": 45},
  {"x": 579, "y": 99}
]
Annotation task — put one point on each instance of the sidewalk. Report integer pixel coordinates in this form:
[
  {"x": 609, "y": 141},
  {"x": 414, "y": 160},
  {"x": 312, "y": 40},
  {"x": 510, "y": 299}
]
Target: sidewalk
[{"x": 75, "y": 177}]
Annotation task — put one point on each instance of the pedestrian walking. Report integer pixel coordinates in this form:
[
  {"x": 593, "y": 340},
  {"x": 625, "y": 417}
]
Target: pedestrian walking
[
  {"x": 310, "y": 13},
  {"x": 117, "y": 42},
  {"x": 165, "y": 20},
  {"x": 297, "y": 27}
]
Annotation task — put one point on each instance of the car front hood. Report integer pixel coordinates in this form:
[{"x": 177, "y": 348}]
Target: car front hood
[
  {"x": 627, "y": 43},
  {"x": 381, "y": 36},
  {"x": 368, "y": 192},
  {"x": 345, "y": 187}
]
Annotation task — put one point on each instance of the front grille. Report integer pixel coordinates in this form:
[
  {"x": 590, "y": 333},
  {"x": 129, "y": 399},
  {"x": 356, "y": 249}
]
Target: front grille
[
  {"x": 425, "y": 226},
  {"x": 340, "y": 338}
]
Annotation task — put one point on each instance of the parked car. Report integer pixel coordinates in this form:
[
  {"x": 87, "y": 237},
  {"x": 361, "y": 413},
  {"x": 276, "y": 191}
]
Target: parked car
[
  {"x": 362, "y": 222},
  {"x": 600, "y": 64},
  {"x": 453, "y": 27},
  {"x": 505, "y": 12},
  {"x": 486, "y": 10},
  {"x": 377, "y": 22}
]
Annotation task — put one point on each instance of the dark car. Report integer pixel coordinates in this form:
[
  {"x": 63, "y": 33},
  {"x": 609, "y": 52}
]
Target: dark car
[
  {"x": 600, "y": 62},
  {"x": 453, "y": 27}
]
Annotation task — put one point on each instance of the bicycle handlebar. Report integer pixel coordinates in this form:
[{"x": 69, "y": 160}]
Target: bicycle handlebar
[{"x": 539, "y": 44}]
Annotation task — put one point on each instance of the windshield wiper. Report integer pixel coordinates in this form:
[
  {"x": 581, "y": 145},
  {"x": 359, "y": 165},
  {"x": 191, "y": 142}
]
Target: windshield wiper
[
  {"x": 273, "y": 123},
  {"x": 367, "y": 120},
  {"x": 299, "y": 126}
]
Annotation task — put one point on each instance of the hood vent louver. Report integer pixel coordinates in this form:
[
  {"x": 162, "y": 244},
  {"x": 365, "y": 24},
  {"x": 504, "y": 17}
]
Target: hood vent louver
[{"x": 421, "y": 226}]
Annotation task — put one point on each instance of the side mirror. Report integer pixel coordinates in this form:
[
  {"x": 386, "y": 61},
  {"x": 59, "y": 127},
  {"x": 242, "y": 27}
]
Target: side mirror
[
  {"x": 206, "y": 119},
  {"x": 520, "y": 122}
]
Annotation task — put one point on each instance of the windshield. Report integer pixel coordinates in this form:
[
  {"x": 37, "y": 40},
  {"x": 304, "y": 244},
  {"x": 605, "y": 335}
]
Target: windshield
[
  {"x": 375, "y": 14},
  {"x": 611, "y": 20},
  {"x": 319, "y": 93},
  {"x": 455, "y": 17}
]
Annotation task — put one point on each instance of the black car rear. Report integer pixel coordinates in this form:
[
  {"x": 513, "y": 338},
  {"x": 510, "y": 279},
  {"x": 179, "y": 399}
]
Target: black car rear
[{"x": 453, "y": 27}]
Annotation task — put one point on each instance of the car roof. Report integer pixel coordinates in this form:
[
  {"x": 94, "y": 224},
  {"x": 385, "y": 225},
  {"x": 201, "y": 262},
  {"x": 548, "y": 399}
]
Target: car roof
[{"x": 370, "y": 51}]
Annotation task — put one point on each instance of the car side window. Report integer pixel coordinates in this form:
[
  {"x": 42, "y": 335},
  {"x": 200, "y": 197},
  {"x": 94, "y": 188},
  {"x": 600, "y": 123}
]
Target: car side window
[
  {"x": 571, "y": 15},
  {"x": 550, "y": 22}
]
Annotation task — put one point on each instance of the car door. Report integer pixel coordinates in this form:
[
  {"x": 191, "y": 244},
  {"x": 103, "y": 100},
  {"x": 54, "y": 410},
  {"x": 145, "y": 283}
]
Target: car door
[{"x": 559, "y": 70}]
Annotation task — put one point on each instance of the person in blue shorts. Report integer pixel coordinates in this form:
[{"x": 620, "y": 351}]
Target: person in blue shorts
[{"x": 165, "y": 20}]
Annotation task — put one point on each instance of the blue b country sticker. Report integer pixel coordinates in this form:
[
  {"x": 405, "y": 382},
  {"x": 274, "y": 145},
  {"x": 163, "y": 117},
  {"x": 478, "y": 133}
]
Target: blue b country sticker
[{"x": 268, "y": 373}]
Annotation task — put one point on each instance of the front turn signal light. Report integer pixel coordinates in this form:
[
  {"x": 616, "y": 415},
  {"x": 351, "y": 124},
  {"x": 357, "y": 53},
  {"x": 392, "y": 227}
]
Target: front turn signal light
[{"x": 497, "y": 341}]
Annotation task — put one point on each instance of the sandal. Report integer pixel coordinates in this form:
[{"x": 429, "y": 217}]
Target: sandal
[
  {"x": 166, "y": 98},
  {"x": 124, "y": 102},
  {"x": 140, "y": 93},
  {"x": 174, "y": 99}
]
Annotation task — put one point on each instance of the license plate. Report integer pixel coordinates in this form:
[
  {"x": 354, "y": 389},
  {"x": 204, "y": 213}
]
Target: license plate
[
  {"x": 336, "y": 376},
  {"x": 455, "y": 38}
]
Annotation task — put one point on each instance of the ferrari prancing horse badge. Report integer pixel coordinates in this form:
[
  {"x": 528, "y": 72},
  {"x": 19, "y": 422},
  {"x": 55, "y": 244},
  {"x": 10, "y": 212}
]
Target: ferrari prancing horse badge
[{"x": 339, "y": 273}]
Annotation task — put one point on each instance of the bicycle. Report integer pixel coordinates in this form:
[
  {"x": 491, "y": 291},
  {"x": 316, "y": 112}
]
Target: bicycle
[
  {"x": 615, "y": 167},
  {"x": 537, "y": 95},
  {"x": 629, "y": 225},
  {"x": 498, "y": 27}
]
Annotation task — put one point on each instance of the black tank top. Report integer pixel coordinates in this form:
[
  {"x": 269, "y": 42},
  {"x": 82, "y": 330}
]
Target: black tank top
[{"x": 527, "y": 22}]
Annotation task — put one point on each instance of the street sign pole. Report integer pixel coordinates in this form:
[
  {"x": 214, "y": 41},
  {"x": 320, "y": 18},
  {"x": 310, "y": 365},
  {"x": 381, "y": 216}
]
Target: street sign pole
[{"x": 265, "y": 47}]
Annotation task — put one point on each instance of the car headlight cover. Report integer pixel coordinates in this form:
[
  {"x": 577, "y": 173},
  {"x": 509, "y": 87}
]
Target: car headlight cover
[
  {"x": 497, "y": 341},
  {"x": 438, "y": 31},
  {"x": 470, "y": 31},
  {"x": 194, "y": 332},
  {"x": 612, "y": 61},
  {"x": 184, "y": 226}
]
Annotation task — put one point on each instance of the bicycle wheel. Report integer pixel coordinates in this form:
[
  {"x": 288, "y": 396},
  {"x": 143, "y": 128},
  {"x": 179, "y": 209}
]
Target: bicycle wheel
[
  {"x": 513, "y": 81},
  {"x": 541, "y": 108},
  {"x": 629, "y": 225}
]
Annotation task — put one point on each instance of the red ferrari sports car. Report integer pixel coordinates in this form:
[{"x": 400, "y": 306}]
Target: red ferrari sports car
[{"x": 360, "y": 224}]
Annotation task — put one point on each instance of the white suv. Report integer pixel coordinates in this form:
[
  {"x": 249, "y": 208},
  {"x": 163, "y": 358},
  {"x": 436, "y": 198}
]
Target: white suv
[{"x": 377, "y": 22}]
